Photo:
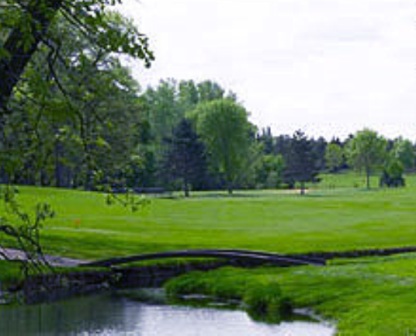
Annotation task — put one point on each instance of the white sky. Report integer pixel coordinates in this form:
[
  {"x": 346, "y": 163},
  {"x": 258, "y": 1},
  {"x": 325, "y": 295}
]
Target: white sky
[{"x": 328, "y": 67}]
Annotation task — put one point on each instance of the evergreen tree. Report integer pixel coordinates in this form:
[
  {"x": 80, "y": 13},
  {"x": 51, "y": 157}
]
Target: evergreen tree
[
  {"x": 266, "y": 138},
  {"x": 185, "y": 158},
  {"x": 318, "y": 149},
  {"x": 300, "y": 161}
]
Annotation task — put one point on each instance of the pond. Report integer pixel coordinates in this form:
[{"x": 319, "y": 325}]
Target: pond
[{"x": 118, "y": 315}]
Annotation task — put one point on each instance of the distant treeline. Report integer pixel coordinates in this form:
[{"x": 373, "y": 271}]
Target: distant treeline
[
  {"x": 71, "y": 115},
  {"x": 96, "y": 128}
]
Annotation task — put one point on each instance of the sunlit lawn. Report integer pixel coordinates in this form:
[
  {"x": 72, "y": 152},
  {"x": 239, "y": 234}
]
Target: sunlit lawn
[{"x": 281, "y": 221}]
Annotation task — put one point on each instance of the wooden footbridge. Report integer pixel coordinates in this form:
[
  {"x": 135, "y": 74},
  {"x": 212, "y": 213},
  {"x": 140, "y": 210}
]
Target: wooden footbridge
[{"x": 237, "y": 256}]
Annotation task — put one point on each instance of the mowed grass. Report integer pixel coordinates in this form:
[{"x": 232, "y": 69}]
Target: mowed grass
[{"x": 281, "y": 221}]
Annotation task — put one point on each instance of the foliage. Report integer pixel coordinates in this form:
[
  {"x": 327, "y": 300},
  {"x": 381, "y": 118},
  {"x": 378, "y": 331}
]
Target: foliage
[
  {"x": 269, "y": 173},
  {"x": 392, "y": 175},
  {"x": 186, "y": 158},
  {"x": 22, "y": 229},
  {"x": 404, "y": 152},
  {"x": 333, "y": 157},
  {"x": 226, "y": 132},
  {"x": 170, "y": 101},
  {"x": 300, "y": 163},
  {"x": 165, "y": 106},
  {"x": 67, "y": 134},
  {"x": 366, "y": 152},
  {"x": 55, "y": 122},
  {"x": 318, "y": 148},
  {"x": 29, "y": 26},
  {"x": 163, "y": 112}
]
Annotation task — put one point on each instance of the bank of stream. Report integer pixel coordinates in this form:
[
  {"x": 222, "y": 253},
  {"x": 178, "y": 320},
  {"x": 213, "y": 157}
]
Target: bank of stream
[{"x": 69, "y": 314}]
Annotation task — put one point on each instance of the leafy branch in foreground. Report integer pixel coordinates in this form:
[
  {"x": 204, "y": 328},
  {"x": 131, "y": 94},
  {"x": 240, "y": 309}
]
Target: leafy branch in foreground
[
  {"x": 127, "y": 200},
  {"x": 21, "y": 229}
]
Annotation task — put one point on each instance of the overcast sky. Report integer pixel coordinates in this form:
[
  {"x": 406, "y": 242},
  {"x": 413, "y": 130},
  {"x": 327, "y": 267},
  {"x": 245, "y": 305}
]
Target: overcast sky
[{"x": 329, "y": 67}]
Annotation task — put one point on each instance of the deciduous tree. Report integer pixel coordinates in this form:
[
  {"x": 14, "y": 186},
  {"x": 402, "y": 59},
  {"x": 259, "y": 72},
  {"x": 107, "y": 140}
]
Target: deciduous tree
[
  {"x": 404, "y": 151},
  {"x": 366, "y": 151},
  {"x": 25, "y": 25},
  {"x": 227, "y": 134},
  {"x": 333, "y": 156}
]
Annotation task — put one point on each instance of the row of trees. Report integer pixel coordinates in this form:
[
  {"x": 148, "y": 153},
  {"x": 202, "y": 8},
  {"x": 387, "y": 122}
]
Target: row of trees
[
  {"x": 365, "y": 151},
  {"x": 73, "y": 116},
  {"x": 370, "y": 152},
  {"x": 176, "y": 135}
]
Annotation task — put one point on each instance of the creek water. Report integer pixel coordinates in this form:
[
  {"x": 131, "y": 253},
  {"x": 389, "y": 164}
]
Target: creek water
[{"x": 117, "y": 315}]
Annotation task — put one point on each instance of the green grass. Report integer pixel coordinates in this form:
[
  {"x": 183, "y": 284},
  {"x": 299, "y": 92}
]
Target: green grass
[
  {"x": 346, "y": 179},
  {"x": 263, "y": 300},
  {"x": 349, "y": 179},
  {"x": 373, "y": 296},
  {"x": 365, "y": 297},
  {"x": 324, "y": 220},
  {"x": 10, "y": 273}
]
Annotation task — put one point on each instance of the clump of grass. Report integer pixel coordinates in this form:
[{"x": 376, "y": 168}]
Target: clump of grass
[
  {"x": 224, "y": 285},
  {"x": 265, "y": 302},
  {"x": 10, "y": 273},
  {"x": 262, "y": 300}
]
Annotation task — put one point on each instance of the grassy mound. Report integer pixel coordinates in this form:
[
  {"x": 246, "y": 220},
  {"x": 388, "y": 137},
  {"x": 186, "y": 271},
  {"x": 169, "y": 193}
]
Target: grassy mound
[{"x": 263, "y": 300}]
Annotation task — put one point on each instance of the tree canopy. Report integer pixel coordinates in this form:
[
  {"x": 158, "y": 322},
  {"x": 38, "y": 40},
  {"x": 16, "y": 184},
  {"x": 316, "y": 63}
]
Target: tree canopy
[
  {"x": 300, "y": 162},
  {"x": 28, "y": 24},
  {"x": 226, "y": 132},
  {"x": 334, "y": 156},
  {"x": 186, "y": 157},
  {"x": 366, "y": 152}
]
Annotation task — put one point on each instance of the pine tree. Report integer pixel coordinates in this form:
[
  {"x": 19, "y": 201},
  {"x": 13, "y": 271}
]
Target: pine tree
[
  {"x": 300, "y": 161},
  {"x": 185, "y": 158}
]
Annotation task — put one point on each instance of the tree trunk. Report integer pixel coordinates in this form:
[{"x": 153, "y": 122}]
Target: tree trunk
[
  {"x": 21, "y": 48},
  {"x": 58, "y": 165},
  {"x": 367, "y": 173},
  {"x": 186, "y": 188},
  {"x": 302, "y": 188},
  {"x": 230, "y": 188}
]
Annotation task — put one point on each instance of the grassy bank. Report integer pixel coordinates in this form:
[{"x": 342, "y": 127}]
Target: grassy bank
[
  {"x": 9, "y": 273},
  {"x": 374, "y": 296}
]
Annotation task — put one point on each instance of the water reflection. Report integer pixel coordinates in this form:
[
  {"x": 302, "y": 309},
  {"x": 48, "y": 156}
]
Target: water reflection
[{"x": 108, "y": 315}]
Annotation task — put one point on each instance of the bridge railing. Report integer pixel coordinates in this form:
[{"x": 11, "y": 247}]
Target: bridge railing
[{"x": 244, "y": 255}]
